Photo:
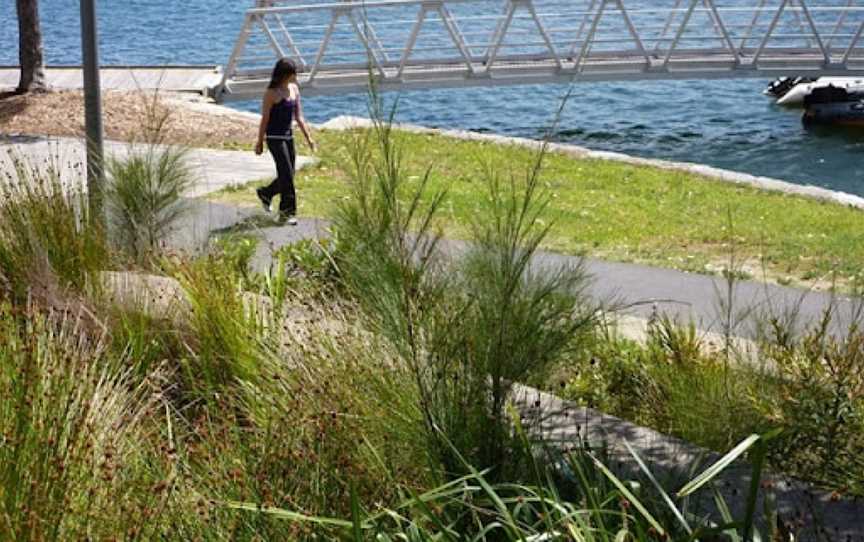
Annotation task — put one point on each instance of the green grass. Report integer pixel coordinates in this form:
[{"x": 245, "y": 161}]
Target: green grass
[{"x": 621, "y": 212}]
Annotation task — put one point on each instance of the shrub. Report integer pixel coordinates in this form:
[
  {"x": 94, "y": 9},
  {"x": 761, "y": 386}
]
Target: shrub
[
  {"x": 519, "y": 318},
  {"x": 466, "y": 329},
  {"x": 145, "y": 197},
  {"x": 819, "y": 403},
  {"x": 610, "y": 374}
]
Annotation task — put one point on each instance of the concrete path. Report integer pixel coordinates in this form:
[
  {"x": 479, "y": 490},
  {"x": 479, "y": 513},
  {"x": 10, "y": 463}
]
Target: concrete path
[
  {"x": 198, "y": 79},
  {"x": 638, "y": 290},
  {"x": 213, "y": 169}
]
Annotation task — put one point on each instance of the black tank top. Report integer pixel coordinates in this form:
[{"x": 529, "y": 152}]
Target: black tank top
[{"x": 281, "y": 117}]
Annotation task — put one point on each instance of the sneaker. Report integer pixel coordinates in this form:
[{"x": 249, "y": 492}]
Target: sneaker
[
  {"x": 265, "y": 201},
  {"x": 285, "y": 218}
]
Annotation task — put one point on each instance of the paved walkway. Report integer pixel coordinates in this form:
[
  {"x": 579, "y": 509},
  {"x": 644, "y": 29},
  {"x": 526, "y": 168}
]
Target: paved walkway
[
  {"x": 639, "y": 290},
  {"x": 197, "y": 79},
  {"x": 214, "y": 169}
]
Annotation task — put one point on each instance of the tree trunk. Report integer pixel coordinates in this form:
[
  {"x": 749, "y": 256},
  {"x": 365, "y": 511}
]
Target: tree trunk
[{"x": 30, "y": 47}]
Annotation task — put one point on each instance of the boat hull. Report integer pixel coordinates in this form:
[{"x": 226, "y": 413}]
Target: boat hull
[{"x": 834, "y": 106}]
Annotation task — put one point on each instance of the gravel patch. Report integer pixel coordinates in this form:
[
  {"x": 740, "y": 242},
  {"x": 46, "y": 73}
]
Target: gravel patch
[{"x": 127, "y": 116}]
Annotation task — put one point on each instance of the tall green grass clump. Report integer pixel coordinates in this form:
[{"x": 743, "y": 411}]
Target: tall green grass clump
[
  {"x": 76, "y": 459},
  {"x": 48, "y": 241},
  {"x": 223, "y": 328},
  {"x": 328, "y": 417},
  {"x": 145, "y": 192},
  {"x": 145, "y": 197}
]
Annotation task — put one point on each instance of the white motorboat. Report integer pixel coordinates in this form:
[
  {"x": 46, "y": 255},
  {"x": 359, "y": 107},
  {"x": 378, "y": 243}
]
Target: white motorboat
[{"x": 792, "y": 91}]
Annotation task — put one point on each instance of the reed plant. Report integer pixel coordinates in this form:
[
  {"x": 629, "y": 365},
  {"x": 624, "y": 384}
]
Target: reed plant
[
  {"x": 77, "y": 460},
  {"x": 48, "y": 241},
  {"x": 521, "y": 317}
]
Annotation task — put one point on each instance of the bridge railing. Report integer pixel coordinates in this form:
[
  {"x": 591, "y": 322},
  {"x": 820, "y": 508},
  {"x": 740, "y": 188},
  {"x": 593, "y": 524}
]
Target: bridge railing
[{"x": 338, "y": 45}]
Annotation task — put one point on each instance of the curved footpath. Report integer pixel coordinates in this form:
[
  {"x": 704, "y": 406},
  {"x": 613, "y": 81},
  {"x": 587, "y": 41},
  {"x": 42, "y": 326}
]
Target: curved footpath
[
  {"x": 645, "y": 290},
  {"x": 632, "y": 290}
]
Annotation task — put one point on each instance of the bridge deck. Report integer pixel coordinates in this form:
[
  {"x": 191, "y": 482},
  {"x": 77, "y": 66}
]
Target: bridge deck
[
  {"x": 170, "y": 78},
  {"x": 446, "y": 43},
  {"x": 697, "y": 65}
]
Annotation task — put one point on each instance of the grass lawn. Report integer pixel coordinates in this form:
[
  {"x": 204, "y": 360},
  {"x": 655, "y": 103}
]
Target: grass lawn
[{"x": 621, "y": 212}]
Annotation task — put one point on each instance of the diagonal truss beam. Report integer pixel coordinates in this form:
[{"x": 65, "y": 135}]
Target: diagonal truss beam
[
  {"x": 500, "y": 33},
  {"x": 717, "y": 23},
  {"x": 365, "y": 35},
  {"x": 453, "y": 30},
  {"x": 802, "y": 4},
  {"x": 631, "y": 28},
  {"x": 855, "y": 41}
]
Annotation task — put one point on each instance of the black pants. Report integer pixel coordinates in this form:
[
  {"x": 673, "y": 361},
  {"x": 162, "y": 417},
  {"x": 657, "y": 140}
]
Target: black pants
[{"x": 285, "y": 158}]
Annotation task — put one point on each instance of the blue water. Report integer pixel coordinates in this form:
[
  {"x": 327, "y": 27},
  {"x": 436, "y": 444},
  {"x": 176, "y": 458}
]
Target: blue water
[{"x": 726, "y": 124}]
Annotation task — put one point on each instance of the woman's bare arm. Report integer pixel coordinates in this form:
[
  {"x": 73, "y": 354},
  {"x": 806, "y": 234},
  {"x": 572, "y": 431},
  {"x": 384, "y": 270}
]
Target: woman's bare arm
[
  {"x": 301, "y": 122},
  {"x": 266, "y": 105}
]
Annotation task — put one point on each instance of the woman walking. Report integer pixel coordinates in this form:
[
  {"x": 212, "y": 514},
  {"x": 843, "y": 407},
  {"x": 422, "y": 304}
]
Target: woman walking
[{"x": 279, "y": 109}]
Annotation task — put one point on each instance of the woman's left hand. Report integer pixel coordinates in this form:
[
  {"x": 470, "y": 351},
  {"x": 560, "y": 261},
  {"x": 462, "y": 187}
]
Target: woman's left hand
[{"x": 313, "y": 145}]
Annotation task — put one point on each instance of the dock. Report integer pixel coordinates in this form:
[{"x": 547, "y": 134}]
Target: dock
[{"x": 192, "y": 79}]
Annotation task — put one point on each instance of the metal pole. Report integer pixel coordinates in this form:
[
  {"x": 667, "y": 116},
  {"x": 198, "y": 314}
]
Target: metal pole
[{"x": 92, "y": 108}]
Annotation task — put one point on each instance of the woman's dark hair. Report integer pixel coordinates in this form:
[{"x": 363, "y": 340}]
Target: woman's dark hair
[{"x": 284, "y": 68}]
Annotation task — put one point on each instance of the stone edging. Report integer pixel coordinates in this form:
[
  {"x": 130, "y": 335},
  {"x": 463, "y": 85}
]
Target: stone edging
[
  {"x": 568, "y": 426},
  {"x": 763, "y": 183}
]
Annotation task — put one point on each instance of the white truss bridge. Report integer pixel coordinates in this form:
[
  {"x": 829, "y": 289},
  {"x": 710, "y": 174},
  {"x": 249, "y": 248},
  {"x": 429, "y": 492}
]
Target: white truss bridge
[{"x": 415, "y": 44}]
